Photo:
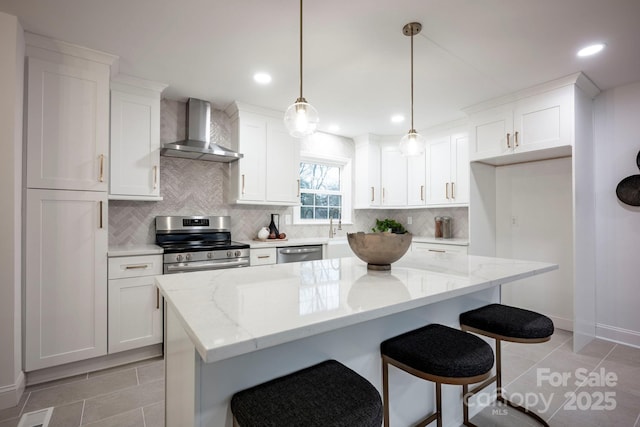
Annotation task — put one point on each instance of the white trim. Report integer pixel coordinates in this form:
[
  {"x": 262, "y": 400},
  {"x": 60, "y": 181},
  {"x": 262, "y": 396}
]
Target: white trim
[
  {"x": 125, "y": 82},
  {"x": 618, "y": 335},
  {"x": 10, "y": 394},
  {"x": 561, "y": 323},
  {"x": 42, "y": 42}
]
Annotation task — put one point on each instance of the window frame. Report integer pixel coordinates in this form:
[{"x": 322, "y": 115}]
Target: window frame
[{"x": 346, "y": 182}]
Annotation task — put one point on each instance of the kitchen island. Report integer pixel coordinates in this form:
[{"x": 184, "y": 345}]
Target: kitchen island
[{"x": 226, "y": 330}]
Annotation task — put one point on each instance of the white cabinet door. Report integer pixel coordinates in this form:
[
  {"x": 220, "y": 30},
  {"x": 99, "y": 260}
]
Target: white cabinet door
[
  {"x": 367, "y": 175},
  {"x": 440, "y": 160},
  {"x": 416, "y": 180},
  {"x": 489, "y": 130},
  {"x": 135, "y": 145},
  {"x": 262, "y": 256},
  {"x": 135, "y": 313},
  {"x": 543, "y": 121},
  {"x": 67, "y": 125},
  {"x": 66, "y": 277},
  {"x": 282, "y": 164},
  {"x": 460, "y": 171},
  {"x": 251, "y": 169},
  {"x": 393, "y": 177}
]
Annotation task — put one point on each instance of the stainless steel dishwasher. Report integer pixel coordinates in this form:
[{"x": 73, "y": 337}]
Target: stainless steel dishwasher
[{"x": 298, "y": 253}]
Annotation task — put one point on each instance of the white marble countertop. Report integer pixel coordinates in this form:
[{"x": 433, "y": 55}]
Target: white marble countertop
[
  {"x": 430, "y": 239},
  {"x": 134, "y": 250},
  {"x": 231, "y": 312}
]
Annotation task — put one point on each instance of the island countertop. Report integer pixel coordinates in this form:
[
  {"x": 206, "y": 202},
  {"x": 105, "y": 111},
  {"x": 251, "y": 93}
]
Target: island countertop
[{"x": 231, "y": 312}]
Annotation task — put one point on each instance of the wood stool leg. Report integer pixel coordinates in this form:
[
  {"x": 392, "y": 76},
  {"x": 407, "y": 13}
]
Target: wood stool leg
[
  {"x": 385, "y": 391},
  {"x": 439, "y": 403}
]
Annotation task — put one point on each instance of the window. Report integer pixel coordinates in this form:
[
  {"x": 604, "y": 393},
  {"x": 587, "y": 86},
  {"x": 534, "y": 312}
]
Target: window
[{"x": 324, "y": 190}]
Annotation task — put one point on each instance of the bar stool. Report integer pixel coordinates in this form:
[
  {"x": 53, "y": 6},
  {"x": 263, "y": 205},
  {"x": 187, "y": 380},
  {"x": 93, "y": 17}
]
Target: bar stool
[
  {"x": 505, "y": 323},
  {"x": 324, "y": 395},
  {"x": 439, "y": 354}
]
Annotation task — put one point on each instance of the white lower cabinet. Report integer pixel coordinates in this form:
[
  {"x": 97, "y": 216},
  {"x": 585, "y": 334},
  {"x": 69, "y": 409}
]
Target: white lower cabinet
[
  {"x": 65, "y": 277},
  {"x": 262, "y": 256},
  {"x": 438, "y": 248},
  {"x": 135, "y": 304}
]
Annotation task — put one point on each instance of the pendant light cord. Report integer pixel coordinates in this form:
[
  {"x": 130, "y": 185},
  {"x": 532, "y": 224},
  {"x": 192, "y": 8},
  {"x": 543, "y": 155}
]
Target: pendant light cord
[
  {"x": 412, "y": 129},
  {"x": 301, "y": 97}
]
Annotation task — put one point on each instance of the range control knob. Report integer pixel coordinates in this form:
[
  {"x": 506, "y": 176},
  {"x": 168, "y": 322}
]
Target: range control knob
[
  {"x": 229, "y": 254},
  {"x": 188, "y": 257},
  {"x": 238, "y": 253},
  {"x": 209, "y": 255},
  {"x": 179, "y": 258}
]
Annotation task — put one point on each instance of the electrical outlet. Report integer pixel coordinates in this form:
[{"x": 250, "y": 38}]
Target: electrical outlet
[{"x": 409, "y": 220}]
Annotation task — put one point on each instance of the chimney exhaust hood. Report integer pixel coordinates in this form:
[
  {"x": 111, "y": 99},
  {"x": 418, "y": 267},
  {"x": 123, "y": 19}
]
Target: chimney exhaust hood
[{"x": 198, "y": 145}]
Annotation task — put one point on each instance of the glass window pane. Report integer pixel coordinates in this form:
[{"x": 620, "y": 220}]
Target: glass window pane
[
  {"x": 321, "y": 213},
  {"x": 306, "y": 175},
  {"x": 322, "y": 199},
  {"x": 319, "y": 177},
  {"x": 306, "y": 199},
  {"x": 334, "y": 213},
  {"x": 335, "y": 200},
  {"x": 306, "y": 213},
  {"x": 332, "y": 179}
]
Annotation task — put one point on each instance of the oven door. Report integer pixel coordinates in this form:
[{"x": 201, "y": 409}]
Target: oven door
[{"x": 185, "y": 267}]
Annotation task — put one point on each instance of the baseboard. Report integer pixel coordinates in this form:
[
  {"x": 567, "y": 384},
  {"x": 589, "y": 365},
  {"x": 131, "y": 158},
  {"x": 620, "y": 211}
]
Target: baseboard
[
  {"x": 618, "y": 335},
  {"x": 10, "y": 395},
  {"x": 95, "y": 364},
  {"x": 561, "y": 323}
]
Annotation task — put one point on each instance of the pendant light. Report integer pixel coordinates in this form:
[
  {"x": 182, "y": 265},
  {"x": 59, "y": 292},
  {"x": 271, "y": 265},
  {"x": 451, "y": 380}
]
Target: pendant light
[
  {"x": 412, "y": 144},
  {"x": 301, "y": 119}
]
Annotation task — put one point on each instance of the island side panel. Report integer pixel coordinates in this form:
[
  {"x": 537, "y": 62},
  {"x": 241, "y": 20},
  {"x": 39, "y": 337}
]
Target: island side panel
[
  {"x": 180, "y": 373},
  {"x": 358, "y": 347}
]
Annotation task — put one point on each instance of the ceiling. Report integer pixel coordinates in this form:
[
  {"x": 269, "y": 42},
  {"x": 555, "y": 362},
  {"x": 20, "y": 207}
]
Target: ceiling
[{"x": 356, "y": 59}]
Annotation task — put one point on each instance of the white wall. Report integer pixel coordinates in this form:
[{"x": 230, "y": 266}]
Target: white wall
[
  {"x": 617, "y": 142},
  {"x": 11, "y": 95},
  {"x": 534, "y": 221}
]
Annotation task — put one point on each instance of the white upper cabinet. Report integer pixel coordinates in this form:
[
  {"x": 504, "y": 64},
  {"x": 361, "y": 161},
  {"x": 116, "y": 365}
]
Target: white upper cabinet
[
  {"x": 535, "y": 124},
  {"x": 367, "y": 173},
  {"x": 268, "y": 174},
  {"x": 448, "y": 170},
  {"x": 393, "y": 176},
  {"x": 67, "y": 123},
  {"x": 416, "y": 180},
  {"x": 135, "y": 139}
]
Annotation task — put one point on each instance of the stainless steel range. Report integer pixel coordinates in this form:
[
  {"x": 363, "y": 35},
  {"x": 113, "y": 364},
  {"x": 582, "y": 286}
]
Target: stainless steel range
[{"x": 196, "y": 243}]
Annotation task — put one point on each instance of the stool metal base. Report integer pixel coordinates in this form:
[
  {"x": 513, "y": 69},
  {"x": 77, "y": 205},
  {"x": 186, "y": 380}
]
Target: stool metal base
[
  {"x": 497, "y": 378},
  {"x": 438, "y": 380}
]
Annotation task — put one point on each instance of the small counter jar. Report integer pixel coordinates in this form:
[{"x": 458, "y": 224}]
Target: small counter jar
[{"x": 446, "y": 227}]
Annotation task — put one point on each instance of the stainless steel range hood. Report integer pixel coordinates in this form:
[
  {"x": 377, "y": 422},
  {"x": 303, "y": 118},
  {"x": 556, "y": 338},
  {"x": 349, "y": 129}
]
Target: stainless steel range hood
[{"x": 198, "y": 145}]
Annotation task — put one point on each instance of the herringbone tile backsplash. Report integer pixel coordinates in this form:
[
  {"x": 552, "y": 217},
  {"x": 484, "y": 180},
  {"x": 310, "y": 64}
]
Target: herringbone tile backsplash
[{"x": 191, "y": 187}]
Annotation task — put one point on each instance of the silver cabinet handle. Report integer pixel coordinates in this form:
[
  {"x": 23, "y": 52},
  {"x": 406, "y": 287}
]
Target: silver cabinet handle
[
  {"x": 373, "y": 194},
  {"x": 446, "y": 190},
  {"x": 508, "y": 140},
  {"x": 157, "y": 298},
  {"x": 264, "y": 256},
  {"x": 422, "y": 193},
  {"x": 383, "y": 194},
  {"x": 453, "y": 190},
  {"x": 137, "y": 267},
  {"x": 298, "y": 188},
  {"x": 516, "y": 137},
  {"x": 243, "y": 184},
  {"x": 436, "y": 250}
]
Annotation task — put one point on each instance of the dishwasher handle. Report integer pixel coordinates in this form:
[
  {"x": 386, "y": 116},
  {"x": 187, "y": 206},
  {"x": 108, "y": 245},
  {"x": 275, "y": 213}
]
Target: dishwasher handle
[{"x": 295, "y": 251}]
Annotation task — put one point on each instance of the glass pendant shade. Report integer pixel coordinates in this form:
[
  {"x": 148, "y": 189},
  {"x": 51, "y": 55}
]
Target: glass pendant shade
[
  {"x": 412, "y": 144},
  {"x": 301, "y": 119}
]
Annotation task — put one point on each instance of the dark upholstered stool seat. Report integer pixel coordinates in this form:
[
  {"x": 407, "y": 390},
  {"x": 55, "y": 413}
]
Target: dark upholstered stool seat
[
  {"x": 324, "y": 395},
  {"x": 509, "y": 322},
  {"x": 441, "y": 350},
  {"x": 505, "y": 323},
  {"x": 436, "y": 353}
]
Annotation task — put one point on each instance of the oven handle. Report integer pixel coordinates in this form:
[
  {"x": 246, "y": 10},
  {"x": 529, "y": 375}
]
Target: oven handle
[{"x": 206, "y": 266}]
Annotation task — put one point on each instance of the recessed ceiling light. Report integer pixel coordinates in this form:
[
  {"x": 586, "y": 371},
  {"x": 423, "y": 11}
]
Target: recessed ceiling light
[
  {"x": 398, "y": 118},
  {"x": 334, "y": 128},
  {"x": 262, "y": 78},
  {"x": 591, "y": 50}
]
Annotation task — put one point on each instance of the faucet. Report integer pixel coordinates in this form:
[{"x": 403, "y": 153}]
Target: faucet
[{"x": 332, "y": 232}]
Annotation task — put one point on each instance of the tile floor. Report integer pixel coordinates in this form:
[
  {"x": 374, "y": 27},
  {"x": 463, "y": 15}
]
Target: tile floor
[{"x": 132, "y": 395}]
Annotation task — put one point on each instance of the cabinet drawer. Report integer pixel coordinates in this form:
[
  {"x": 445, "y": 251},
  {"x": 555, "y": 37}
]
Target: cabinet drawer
[
  {"x": 263, "y": 256},
  {"x": 135, "y": 266},
  {"x": 436, "y": 247}
]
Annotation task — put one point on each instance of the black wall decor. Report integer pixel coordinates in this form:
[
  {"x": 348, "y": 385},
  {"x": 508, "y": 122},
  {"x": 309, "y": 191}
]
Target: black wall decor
[{"x": 628, "y": 190}]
